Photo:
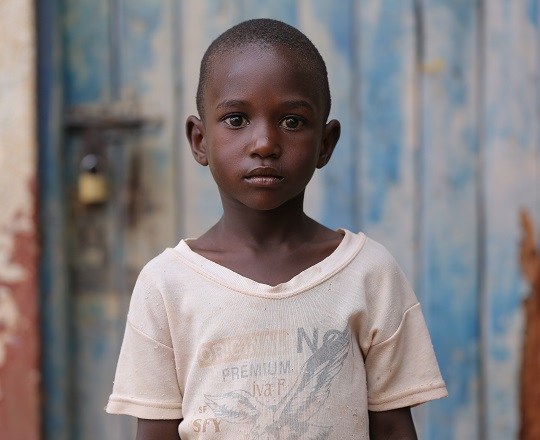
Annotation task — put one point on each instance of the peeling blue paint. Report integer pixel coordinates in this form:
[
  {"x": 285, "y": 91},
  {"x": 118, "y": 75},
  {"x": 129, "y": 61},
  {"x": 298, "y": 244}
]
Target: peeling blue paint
[
  {"x": 382, "y": 64},
  {"x": 284, "y": 10},
  {"x": 143, "y": 20},
  {"x": 86, "y": 47},
  {"x": 450, "y": 203},
  {"x": 340, "y": 193},
  {"x": 533, "y": 12},
  {"x": 424, "y": 196}
]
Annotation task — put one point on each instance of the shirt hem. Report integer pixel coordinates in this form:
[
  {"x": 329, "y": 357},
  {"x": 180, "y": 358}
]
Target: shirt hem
[
  {"x": 412, "y": 399},
  {"x": 146, "y": 410}
]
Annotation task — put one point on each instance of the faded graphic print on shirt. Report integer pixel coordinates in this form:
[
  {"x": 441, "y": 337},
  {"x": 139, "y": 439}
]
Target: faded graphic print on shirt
[{"x": 290, "y": 418}]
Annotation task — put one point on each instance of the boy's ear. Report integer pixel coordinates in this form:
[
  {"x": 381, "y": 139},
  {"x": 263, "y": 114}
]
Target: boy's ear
[
  {"x": 196, "y": 137},
  {"x": 332, "y": 131}
]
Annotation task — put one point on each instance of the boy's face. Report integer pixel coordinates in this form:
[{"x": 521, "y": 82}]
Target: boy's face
[{"x": 263, "y": 133}]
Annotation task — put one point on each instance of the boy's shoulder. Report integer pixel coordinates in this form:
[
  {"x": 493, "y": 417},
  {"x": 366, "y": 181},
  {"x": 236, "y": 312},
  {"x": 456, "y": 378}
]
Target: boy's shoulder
[
  {"x": 374, "y": 256},
  {"x": 163, "y": 265}
]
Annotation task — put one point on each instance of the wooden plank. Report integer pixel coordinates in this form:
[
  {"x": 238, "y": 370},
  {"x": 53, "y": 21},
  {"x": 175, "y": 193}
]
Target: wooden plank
[
  {"x": 331, "y": 196},
  {"x": 450, "y": 189},
  {"x": 110, "y": 243},
  {"x": 284, "y": 10},
  {"x": 52, "y": 281},
  {"x": 118, "y": 59},
  {"x": 512, "y": 164},
  {"x": 389, "y": 165},
  {"x": 90, "y": 63},
  {"x": 150, "y": 83},
  {"x": 386, "y": 140},
  {"x": 99, "y": 286},
  {"x": 202, "y": 22},
  {"x": 390, "y": 169},
  {"x": 87, "y": 73}
]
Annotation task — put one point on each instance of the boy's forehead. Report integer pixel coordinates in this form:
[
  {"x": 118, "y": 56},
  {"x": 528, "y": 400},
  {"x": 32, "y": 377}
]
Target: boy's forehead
[
  {"x": 250, "y": 56},
  {"x": 233, "y": 69},
  {"x": 255, "y": 48}
]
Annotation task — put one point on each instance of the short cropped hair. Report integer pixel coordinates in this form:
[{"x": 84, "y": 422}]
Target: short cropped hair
[{"x": 272, "y": 33}]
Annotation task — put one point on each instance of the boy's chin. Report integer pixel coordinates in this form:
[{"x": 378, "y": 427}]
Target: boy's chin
[
  {"x": 263, "y": 202},
  {"x": 273, "y": 205}
]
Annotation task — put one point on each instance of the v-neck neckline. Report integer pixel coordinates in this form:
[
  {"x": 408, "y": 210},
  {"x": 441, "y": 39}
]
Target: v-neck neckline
[{"x": 349, "y": 246}]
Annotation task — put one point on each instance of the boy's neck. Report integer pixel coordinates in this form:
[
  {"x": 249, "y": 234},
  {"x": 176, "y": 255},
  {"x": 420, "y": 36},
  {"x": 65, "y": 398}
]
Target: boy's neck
[
  {"x": 285, "y": 224},
  {"x": 270, "y": 247}
]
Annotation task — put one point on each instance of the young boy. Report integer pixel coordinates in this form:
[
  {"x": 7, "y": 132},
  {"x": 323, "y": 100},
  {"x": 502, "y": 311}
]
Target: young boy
[{"x": 270, "y": 325}]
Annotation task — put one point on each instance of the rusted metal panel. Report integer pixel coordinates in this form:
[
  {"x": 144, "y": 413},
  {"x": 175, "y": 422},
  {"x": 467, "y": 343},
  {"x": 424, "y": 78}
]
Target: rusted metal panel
[{"x": 19, "y": 374}]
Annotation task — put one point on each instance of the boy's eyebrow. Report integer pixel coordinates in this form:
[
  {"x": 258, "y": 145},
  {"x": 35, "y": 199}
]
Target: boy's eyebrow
[
  {"x": 290, "y": 104},
  {"x": 230, "y": 103},
  {"x": 295, "y": 103}
]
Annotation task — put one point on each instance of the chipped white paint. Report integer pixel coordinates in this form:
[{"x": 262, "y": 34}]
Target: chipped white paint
[
  {"x": 17, "y": 139},
  {"x": 17, "y": 152},
  {"x": 9, "y": 319}
]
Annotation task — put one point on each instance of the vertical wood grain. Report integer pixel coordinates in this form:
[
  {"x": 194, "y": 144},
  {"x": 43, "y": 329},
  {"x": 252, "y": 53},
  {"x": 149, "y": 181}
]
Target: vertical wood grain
[
  {"x": 331, "y": 196},
  {"x": 202, "y": 22},
  {"x": 86, "y": 55},
  {"x": 284, "y": 10},
  {"x": 510, "y": 176},
  {"x": 118, "y": 61},
  {"x": 386, "y": 134},
  {"x": 89, "y": 80},
  {"x": 150, "y": 87},
  {"x": 450, "y": 145},
  {"x": 53, "y": 273}
]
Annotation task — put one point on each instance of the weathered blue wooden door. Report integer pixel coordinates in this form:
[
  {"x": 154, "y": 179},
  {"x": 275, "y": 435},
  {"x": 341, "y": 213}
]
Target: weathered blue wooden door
[
  {"x": 439, "y": 102},
  {"x": 109, "y": 164}
]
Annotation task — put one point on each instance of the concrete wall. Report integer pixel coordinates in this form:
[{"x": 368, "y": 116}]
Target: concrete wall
[{"x": 19, "y": 374}]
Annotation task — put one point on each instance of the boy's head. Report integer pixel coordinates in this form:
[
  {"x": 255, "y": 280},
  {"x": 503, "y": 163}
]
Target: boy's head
[
  {"x": 264, "y": 100},
  {"x": 266, "y": 33}
]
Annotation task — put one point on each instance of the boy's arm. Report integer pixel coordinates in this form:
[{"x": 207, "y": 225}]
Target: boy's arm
[
  {"x": 392, "y": 424},
  {"x": 157, "y": 429}
]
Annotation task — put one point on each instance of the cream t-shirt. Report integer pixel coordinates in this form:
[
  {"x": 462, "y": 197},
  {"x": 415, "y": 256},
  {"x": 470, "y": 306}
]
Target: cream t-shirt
[{"x": 237, "y": 359}]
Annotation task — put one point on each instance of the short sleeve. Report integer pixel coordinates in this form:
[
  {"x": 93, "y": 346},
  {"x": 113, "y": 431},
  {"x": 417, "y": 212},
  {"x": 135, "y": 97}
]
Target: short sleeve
[
  {"x": 402, "y": 371},
  {"x": 400, "y": 362},
  {"x": 146, "y": 384}
]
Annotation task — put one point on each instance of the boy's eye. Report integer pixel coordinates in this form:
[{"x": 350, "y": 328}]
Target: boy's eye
[
  {"x": 236, "y": 121},
  {"x": 291, "y": 122}
]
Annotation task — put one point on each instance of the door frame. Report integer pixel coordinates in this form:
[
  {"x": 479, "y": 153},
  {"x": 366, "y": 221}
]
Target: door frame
[{"x": 53, "y": 279}]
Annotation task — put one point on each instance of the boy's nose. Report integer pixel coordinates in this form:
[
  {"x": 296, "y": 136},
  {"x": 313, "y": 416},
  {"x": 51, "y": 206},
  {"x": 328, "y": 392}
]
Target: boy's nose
[{"x": 265, "y": 144}]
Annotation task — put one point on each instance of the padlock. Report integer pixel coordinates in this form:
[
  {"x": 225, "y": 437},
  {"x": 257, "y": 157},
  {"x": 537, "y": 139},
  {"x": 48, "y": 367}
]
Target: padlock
[{"x": 92, "y": 185}]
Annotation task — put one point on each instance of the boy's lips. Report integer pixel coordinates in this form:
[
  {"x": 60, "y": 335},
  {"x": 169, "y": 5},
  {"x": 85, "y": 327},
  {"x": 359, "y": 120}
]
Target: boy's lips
[{"x": 264, "y": 176}]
